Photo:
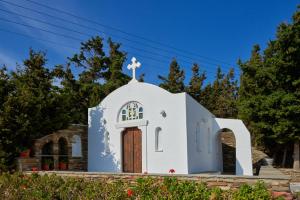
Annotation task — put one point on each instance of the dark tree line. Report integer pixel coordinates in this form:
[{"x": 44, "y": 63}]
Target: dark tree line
[
  {"x": 33, "y": 104},
  {"x": 269, "y": 96},
  {"x": 35, "y": 101},
  {"x": 220, "y": 96}
]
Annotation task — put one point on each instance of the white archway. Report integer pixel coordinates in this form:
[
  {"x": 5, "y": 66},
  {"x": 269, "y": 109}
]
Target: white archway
[{"x": 243, "y": 144}]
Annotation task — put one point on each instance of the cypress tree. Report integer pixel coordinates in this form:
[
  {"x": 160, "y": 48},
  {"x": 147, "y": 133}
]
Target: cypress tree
[
  {"x": 275, "y": 97},
  {"x": 196, "y": 83},
  {"x": 174, "y": 81}
]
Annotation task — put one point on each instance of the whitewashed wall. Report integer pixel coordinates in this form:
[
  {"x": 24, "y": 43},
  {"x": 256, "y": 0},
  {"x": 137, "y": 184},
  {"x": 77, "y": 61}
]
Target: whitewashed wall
[
  {"x": 104, "y": 117},
  {"x": 201, "y": 158},
  {"x": 178, "y": 129},
  {"x": 243, "y": 145}
]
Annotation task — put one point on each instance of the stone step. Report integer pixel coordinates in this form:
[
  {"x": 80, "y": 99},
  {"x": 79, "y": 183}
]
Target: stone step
[
  {"x": 271, "y": 172},
  {"x": 295, "y": 187}
]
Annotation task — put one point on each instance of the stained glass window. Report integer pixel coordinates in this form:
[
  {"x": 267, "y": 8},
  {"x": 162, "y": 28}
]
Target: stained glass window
[{"x": 132, "y": 111}]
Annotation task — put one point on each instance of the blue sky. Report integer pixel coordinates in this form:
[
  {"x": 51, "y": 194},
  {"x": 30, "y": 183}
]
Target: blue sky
[{"x": 213, "y": 32}]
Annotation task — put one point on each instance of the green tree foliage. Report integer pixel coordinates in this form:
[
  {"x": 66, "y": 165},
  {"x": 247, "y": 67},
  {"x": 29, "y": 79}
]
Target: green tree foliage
[
  {"x": 174, "y": 83},
  {"x": 36, "y": 101},
  {"x": 114, "y": 76},
  {"x": 196, "y": 83},
  {"x": 252, "y": 84},
  {"x": 31, "y": 107},
  {"x": 100, "y": 75},
  {"x": 270, "y": 87},
  {"x": 220, "y": 97}
]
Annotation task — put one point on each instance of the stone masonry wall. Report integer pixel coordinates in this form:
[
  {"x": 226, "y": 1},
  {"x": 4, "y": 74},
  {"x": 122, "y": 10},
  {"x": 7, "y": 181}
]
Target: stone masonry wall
[
  {"x": 223, "y": 181},
  {"x": 74, "y": 163}
]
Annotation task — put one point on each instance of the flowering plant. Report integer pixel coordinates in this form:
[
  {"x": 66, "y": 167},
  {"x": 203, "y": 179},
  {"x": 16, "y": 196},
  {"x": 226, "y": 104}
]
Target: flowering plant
[{"x": 129, "y": 192}]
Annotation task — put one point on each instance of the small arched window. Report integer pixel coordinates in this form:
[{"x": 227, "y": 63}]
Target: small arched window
[
  {"x": 76, "y": 146},
  {"x": 158, "y": 140},
  {"x": 131, "y": 111},
  {"x": 198, "y": 143},
  {"x": 208, "y": 140},
  {"x": 106, "y": 142}
]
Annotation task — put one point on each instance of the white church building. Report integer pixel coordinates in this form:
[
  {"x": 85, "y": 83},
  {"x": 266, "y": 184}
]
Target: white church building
[{"x": 141, "y": 128}]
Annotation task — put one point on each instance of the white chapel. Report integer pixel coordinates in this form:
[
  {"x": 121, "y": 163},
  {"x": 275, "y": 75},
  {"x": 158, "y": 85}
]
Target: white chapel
[{"x": 141, "y": 128}]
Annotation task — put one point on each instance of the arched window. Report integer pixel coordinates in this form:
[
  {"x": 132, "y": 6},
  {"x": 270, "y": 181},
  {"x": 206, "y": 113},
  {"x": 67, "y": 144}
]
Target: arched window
[
  {"x": 198, "y": 143},
  {"x": 209, "y": 140},
  {"x": 76, "y": 146},
  {"x": 106, "y": 142},
  {"x": 131, "y": 111},
  {"x": 158, "y": 140}
]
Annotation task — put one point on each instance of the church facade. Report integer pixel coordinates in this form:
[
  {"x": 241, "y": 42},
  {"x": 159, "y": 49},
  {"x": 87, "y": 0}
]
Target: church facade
[{"x": 141, "y": 127}]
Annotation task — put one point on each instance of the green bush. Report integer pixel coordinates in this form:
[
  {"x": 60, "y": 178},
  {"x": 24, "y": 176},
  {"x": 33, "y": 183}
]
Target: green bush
[{"x": 34, "y": 187}]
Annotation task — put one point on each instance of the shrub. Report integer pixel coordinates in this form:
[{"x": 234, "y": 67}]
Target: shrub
[
  {"x": 258, "y": 191},
  {"x": 19, "y": 186}
]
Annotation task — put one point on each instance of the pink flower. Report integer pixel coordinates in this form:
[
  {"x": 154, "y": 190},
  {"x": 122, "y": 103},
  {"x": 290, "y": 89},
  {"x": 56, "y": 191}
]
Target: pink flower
[
  {"x": 172, "y": 171},
  {"x": 129, "y": 192}
]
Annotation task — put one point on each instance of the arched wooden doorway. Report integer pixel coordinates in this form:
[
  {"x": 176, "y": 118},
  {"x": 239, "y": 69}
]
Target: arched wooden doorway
[
  {"x": 132, "y": 150},
  {"x": 227, "y": 145}
]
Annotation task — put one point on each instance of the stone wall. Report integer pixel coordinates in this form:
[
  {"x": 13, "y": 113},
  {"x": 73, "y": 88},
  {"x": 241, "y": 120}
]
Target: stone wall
[
  {"x": 223, "y": 181},
  {"x": 73, "y": 163},
  {"x": 294, "y": 174}
]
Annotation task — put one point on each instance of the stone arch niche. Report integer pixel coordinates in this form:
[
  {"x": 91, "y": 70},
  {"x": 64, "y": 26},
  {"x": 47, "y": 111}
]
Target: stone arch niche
[
  {"x": 63, "y": 154},
  {"x": 227, "y": 151},
  {"x": 47, "y": 158},
  {"x": 243, "y": 155}
]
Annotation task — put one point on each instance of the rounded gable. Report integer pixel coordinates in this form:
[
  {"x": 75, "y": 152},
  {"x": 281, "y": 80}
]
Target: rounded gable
[{"x": 136, "y": 88}]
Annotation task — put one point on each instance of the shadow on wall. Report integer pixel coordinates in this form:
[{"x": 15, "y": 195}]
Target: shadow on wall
[{"x": 104, "y": 158}]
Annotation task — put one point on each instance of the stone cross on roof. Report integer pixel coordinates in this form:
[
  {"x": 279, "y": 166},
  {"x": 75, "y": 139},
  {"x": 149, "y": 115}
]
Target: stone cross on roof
[{"x": 134, "y": 64}]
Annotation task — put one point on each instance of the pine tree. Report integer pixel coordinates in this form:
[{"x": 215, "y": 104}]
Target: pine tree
[
  {"x": 92, "y": 60},
  {"x": 220, "y": 97},
  {"x": 101, "y": 74},
  {"x": 174, "y": 83},
  {"x": 275, "y": 97},
  {"x": 225, "y": 88},
  {"x": 251, "y": 85},
  {"x": 196, "y": 83},
  {"x": 114, "y": 76}
]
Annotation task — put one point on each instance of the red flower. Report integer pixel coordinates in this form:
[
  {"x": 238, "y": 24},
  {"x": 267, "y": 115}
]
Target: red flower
[
  {"x": 129, "y": 192},
  {"x": 172, "y": 171},
  {"x": 34, "y": 169}
]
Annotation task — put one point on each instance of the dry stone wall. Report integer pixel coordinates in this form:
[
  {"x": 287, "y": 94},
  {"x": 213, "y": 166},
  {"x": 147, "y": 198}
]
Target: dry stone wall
[{"x": 223, "y": 181}]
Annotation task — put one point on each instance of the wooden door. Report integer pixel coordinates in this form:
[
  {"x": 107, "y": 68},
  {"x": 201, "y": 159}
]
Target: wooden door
[{"x": 132, "y": 150}]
